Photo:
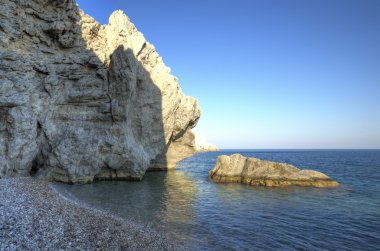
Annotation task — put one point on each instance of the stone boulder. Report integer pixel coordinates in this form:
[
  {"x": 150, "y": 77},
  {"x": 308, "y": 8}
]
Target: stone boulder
[{"x": 256, "y": 172}]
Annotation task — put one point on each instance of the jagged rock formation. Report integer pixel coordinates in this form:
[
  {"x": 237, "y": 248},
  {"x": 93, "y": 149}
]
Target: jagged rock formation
[
  {"x": 256, "y": 172},
  {"x": 80, "y": 100},
  {"x": 181, "y": 148}
]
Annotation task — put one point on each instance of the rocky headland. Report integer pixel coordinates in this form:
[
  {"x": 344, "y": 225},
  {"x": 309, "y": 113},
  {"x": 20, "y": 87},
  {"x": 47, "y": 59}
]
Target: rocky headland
[
  {"x": 184, "y": 147},
  {"x": 81, "y": 101},
  {"x": 256, "y": 172},
  {"x": 201, "y": 145}
]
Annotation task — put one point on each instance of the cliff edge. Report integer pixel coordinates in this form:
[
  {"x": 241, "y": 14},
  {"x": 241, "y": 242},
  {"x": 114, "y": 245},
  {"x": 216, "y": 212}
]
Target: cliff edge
[{"x": 81, "y": 101}]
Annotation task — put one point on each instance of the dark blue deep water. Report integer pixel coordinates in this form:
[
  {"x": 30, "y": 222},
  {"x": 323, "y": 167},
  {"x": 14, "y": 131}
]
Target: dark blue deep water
[{"x": 208, "y": 216}]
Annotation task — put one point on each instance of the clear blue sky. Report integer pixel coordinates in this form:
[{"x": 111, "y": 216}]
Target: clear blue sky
[{"x": 270, "y": 73}]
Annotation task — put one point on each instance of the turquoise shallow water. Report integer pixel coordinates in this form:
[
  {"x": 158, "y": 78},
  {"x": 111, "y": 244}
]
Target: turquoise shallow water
[{"x": 208, "y": 216}]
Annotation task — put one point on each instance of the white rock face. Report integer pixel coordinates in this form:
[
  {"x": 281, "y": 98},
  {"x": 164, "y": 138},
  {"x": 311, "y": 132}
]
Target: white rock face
[
  {"x": 82, "y": 101},
  {"x": 201, "y": 145}
]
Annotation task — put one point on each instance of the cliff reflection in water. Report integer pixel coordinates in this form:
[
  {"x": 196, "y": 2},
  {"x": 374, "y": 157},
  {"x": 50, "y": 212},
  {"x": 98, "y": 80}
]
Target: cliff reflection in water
[
  {"x": 209, "y": 216},
  {"x": 179, "y": 193},
  {"x": 161, "y": 199}
]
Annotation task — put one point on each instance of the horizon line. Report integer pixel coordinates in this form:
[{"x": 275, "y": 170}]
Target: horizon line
[{"x": 304, "y": 149}]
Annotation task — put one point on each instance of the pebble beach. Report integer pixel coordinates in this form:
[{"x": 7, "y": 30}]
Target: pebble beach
[{"x": 33, "y": 216}]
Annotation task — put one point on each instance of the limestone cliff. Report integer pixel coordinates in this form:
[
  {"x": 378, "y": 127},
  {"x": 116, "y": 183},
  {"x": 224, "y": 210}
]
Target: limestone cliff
[
  {"x": 201, "y": 145},
  {"x": 82, "y": 101},
  {"x": 256, "y": 172},
  {"x": 181, "y": 148}
]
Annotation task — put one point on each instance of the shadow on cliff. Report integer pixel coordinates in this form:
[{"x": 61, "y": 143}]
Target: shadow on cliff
[
  {"x": 94, "y": 120},
  {"x": 136, "y": 105}
]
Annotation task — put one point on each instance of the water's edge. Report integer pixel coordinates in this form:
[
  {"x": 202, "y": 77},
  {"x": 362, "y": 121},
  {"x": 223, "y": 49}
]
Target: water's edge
[{"x": 195, "y": 211}]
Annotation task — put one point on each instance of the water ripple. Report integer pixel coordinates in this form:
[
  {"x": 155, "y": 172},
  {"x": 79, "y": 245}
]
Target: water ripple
[{"x": 209, "y": 216}]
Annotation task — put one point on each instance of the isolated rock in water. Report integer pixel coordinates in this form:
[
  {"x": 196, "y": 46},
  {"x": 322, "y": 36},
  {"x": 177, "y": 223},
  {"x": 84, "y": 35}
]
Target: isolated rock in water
[
  {"x": 256, "y": 172},
  {"x": 181, "y": 148},
  {"x": 80, "y": 100}
]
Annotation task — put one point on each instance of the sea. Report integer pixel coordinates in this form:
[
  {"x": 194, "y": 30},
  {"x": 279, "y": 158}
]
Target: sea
[{"x": 201, "y": 215}]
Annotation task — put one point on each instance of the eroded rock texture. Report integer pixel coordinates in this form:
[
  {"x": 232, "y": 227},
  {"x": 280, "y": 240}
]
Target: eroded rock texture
[
  {"x": 256, "y": 172},
  {"x": 181, "y": 148},
  {"x": 80, "y": 100}
]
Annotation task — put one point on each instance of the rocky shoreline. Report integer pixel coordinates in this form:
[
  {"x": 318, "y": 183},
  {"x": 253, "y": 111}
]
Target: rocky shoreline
[{"x": 33, "y": 216}]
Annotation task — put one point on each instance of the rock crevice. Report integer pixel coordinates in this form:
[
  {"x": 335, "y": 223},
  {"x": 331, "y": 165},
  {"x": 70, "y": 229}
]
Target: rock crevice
[{"x": 80, "y": 100}]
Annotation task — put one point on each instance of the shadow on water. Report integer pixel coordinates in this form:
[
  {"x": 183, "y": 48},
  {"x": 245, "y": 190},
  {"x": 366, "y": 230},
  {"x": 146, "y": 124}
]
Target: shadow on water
[
  {"x": 92, "y": 115},
  {"x": 162, "y": 200},
  {"x": 106, "y": 114},
  {"x": 210, "y": 216}
]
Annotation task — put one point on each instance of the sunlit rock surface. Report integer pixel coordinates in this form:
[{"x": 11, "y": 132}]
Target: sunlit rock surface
[
  {"x": 82, "y": 101},
  {"x": 181, "y": 148},
  {"x": 201, "y": 145},
  {"x": 256, "y": 172}
]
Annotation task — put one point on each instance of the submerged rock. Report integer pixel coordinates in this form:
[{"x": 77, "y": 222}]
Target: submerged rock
[
  {"x": 256, "y": 172},
  {"x": 81, "y": 101}
]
